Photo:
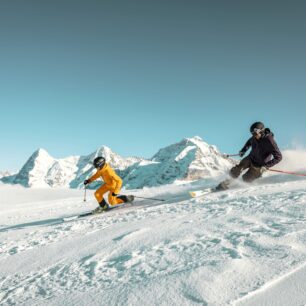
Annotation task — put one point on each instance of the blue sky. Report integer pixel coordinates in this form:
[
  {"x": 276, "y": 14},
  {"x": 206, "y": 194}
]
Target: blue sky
[{"x": 139, "y": 75}]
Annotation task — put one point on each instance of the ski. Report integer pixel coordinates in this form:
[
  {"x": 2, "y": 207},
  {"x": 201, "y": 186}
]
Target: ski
[
  {"x": 90, "y": 213},
  {"x": 94, "y": 212},
  {"x": 199, "y": 193}
]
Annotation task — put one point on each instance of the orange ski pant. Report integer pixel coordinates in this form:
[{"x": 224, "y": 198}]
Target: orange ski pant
[{"x": 111, "y": 199}]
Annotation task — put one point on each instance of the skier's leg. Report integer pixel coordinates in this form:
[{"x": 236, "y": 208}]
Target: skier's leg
[
  {"x": 100, "y": 193},
  {"x": 244, "y": 164},
  {"x": 234, "y": 173},
  {"x": 252, "y": 174},
  {"x": 114, "y": 200}
]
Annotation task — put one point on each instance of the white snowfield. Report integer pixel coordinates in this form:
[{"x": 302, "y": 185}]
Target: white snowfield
[{"x": 246, "y": 246}]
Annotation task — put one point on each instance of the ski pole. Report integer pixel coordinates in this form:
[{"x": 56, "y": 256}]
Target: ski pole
[
  {"x": 85, "y": 194},
  {"x": 150, "y": 198},
  {"x": 230, "y": 155},
  {"x": 287, "y": 172}
]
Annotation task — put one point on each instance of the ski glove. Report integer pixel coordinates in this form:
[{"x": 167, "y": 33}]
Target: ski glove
[
  {"x": 241, "y": 153},
  {"x": 86, "y": 182},
  {"x": 263, "y": 169},
  {"x": 114, "y": 194}
]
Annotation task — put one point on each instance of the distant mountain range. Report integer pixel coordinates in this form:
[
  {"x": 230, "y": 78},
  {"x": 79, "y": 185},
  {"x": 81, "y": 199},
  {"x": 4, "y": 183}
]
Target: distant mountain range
[
  {"x": 4, "y": 173},
  {"x": 190, "y": 159}
]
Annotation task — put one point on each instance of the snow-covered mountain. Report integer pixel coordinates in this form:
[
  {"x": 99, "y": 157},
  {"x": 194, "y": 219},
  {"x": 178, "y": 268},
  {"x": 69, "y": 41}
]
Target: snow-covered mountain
[
  {"x": 188, "y": 160},
  {"x": 4, "y": 173},
  {"x": 42, "y": 170}
]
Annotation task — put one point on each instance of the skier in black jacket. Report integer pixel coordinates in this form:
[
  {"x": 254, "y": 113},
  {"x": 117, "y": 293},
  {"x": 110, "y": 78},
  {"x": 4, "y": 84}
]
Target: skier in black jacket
[{"x": 264, "y": 154}]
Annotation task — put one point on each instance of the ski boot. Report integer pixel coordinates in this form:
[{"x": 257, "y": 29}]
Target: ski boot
[
  {"x": 222, "y": 186},
  {"x": 102, "y": 207},
  {"x": 126, "y": 199}
]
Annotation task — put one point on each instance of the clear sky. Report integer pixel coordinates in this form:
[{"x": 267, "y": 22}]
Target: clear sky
[{"x": 139, "y": 75}]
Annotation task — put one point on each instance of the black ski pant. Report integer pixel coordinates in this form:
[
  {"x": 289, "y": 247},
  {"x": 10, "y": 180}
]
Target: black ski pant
[{"x": 252, "y": 174}]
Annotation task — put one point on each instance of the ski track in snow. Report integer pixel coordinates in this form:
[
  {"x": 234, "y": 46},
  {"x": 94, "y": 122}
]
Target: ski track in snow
[{"x": 212, "y": 250}]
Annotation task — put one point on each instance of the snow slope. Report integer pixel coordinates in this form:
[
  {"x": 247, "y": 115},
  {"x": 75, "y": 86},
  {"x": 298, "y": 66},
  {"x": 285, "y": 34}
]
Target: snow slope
[{"x": 246, "y": 246}]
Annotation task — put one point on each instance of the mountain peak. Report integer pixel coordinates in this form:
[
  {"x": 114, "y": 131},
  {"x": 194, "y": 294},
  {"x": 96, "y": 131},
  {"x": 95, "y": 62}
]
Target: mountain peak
[
  {"x": 104, "y": 151},
  {"x": 42, "y": 153},
  {"x": 195, "y": 138},
  {"x": 189, "y": 159}
]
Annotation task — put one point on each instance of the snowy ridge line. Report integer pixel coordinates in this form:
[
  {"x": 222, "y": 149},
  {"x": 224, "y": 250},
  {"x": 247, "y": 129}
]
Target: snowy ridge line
[
  {"x": 268, "y": 285},
  {"x": 188, "y": 160}
]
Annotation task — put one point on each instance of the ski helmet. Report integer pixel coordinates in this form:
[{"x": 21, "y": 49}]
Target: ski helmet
[
  {"x": 99, "y": 162},
  {"x": 257, "y": 127}
]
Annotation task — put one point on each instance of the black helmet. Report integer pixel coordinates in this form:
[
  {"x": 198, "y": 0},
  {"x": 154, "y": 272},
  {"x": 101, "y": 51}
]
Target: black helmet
[
  {"x": 257, "y": 127},
  {"x": 99, "y": 162}
]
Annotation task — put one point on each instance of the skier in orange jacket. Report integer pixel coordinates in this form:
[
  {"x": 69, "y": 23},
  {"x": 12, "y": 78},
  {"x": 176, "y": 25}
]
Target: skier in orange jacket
[{"x": 112, "y": 184}]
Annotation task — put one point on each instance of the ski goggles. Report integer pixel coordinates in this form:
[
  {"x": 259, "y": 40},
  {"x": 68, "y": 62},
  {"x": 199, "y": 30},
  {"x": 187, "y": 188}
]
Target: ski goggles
[{"x": 256, "y": 131}]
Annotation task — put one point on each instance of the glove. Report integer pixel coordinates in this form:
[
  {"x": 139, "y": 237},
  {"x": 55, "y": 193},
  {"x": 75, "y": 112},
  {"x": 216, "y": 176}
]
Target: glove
[
  {"x": 263, "y": 169},
  {"x": 86, "y": 182},
  {"x": 114, "y": 194},
  {"x": 241, "y": 153}
]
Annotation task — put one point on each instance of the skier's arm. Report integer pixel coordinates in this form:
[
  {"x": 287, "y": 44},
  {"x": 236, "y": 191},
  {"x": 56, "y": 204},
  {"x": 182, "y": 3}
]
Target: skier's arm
[
  {"x": 277, "y": 155},
  {"x": 246, "y": 147},
  {"x": 94, "y": 177}
]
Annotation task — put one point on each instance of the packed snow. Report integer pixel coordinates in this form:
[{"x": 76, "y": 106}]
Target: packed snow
[{"x": 246, "y": 246}]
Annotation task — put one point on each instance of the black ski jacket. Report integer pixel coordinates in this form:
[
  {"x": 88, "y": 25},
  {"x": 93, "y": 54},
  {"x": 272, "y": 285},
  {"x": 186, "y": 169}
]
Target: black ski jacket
[{"x": 264, "y": 152}]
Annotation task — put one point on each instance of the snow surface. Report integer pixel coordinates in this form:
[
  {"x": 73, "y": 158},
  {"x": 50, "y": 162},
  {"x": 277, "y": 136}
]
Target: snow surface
[{"x": 246, "y": 246}]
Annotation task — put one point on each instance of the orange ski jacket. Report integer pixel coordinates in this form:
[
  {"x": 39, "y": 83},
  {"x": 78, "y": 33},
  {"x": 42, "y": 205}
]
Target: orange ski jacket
[{"x": 110, "y": 178}]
